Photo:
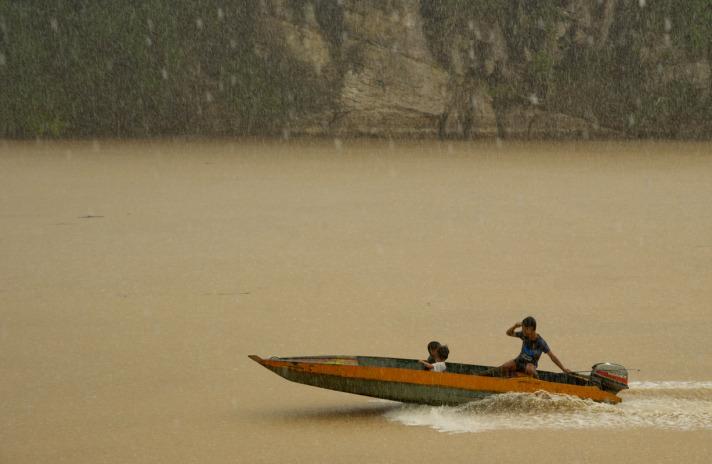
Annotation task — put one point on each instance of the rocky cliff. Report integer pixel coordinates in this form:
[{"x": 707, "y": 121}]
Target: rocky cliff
[
  {"x": 507, "y": 68},
  {"x": 392, "y": 68}
]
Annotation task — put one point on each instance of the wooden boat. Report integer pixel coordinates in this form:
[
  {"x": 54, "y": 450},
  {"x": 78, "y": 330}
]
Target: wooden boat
[{"x": 406, "y": 380}]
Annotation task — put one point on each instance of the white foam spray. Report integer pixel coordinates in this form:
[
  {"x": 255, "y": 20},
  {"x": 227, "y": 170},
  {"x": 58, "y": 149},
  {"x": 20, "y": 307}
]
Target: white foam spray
[{"x": 666, "y": 405}]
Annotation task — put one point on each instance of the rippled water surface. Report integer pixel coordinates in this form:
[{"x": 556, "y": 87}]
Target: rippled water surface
[
  {"x": 136, "y": 277},
  {"x": 663, "y": 405}
]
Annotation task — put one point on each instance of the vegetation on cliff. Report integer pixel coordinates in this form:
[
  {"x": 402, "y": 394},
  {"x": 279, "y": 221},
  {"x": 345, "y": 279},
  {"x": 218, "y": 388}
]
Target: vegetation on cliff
[
  {"x": 640, "y": 79},
  {"x": 84, "y": 68}
]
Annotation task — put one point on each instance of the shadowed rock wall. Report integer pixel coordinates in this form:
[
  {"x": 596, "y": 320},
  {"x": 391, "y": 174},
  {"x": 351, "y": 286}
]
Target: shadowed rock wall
[
  {"x": 507, "y": 68},
  {"x": 447, "y": 68}
]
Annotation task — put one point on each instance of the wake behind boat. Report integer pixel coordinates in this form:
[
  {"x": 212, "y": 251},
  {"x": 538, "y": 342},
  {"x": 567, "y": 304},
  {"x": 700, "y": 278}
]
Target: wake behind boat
[{"x": 406, "y": 381}]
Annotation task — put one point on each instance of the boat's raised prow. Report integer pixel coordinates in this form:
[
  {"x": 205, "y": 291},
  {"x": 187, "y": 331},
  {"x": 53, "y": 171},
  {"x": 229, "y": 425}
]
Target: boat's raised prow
[{"x": 405, "y": 380}]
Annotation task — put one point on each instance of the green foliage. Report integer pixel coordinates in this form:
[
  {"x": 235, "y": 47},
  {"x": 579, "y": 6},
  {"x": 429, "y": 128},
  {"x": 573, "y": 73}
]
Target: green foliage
[
  {"x": 120, "y": 68},
  {"x": 633, "y": 82},
  {"x": 665, "y": 113},
  {"x": 540, "y": 72},
  {"x": 444, "y": 19},
  {"x": 528, "y": 27},
  {"x": 688, "y": 22}
]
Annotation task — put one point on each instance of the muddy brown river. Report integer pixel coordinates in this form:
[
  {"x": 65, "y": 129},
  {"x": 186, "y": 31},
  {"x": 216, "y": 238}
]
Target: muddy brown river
[{"x": 136, "y": 277}]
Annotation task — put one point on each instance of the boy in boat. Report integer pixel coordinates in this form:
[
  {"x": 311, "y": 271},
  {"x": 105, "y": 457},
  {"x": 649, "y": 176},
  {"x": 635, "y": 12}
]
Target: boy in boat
[
  {"x": 533, "y": 345},
  {"x": 440, "y": 356},
  {"x": 432, "y": 350}
]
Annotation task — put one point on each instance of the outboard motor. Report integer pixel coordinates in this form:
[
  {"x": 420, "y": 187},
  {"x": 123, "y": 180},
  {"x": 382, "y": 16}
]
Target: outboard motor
[{"x": 609, "y": 376}]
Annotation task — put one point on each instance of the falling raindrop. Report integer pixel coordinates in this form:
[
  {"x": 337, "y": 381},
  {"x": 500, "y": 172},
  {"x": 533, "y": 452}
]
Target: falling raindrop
[
  {"x": 337, "y": 144},
  {"x": 641, "y": 3},
  {"x": 208, "y": 97},
  {"x": 2, "y": 59},
  {"x": 233, "y": 80},
  {"x": 164, "y": 73},
  {"x": 668, "y": 25},
  {"x": 221, "y": 14},
  {"x": 149, "y": 42},
  {"x": 54, "y": 24},
  {"x": 285, "y": 134},
  {"x": 199, "y": 23},
  {"x": 150, "y": 25},
  {"x": 233, "y": 43},
  {"x": 533, "y": 99}
]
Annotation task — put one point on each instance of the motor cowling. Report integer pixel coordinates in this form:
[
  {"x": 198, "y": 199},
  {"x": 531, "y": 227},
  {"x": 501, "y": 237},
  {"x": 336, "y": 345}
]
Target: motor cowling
[{"x": 611, "y": 377}]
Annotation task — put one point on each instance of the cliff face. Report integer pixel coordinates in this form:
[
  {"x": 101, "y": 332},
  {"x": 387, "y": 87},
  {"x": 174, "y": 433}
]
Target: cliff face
[
  {"x": 470, "y": 69},
  {"x": 448, "y": 68},
  {"x": 371, "y": 57}
]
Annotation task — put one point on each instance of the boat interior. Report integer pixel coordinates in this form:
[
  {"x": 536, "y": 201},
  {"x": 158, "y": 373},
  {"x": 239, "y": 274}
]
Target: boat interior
[{"x": 452, "y": 368}]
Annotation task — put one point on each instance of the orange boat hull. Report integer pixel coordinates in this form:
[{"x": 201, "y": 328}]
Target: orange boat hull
[{"x": 413, "y": 385}]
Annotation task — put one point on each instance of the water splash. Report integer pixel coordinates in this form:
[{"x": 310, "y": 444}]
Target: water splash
[
  {"x": 665, "y": 405},
  {"x": 670, "y": 385}
]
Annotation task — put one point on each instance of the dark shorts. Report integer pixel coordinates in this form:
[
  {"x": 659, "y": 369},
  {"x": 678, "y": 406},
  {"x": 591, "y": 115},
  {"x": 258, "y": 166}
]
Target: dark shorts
[{"x": 522, "y": 364}]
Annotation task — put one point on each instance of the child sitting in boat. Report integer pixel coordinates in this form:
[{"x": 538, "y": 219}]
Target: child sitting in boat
[
  {"x": 432, "y": 350},
  {"x": 533, "y": 345},
  {"x": 440, "y": 356}
]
